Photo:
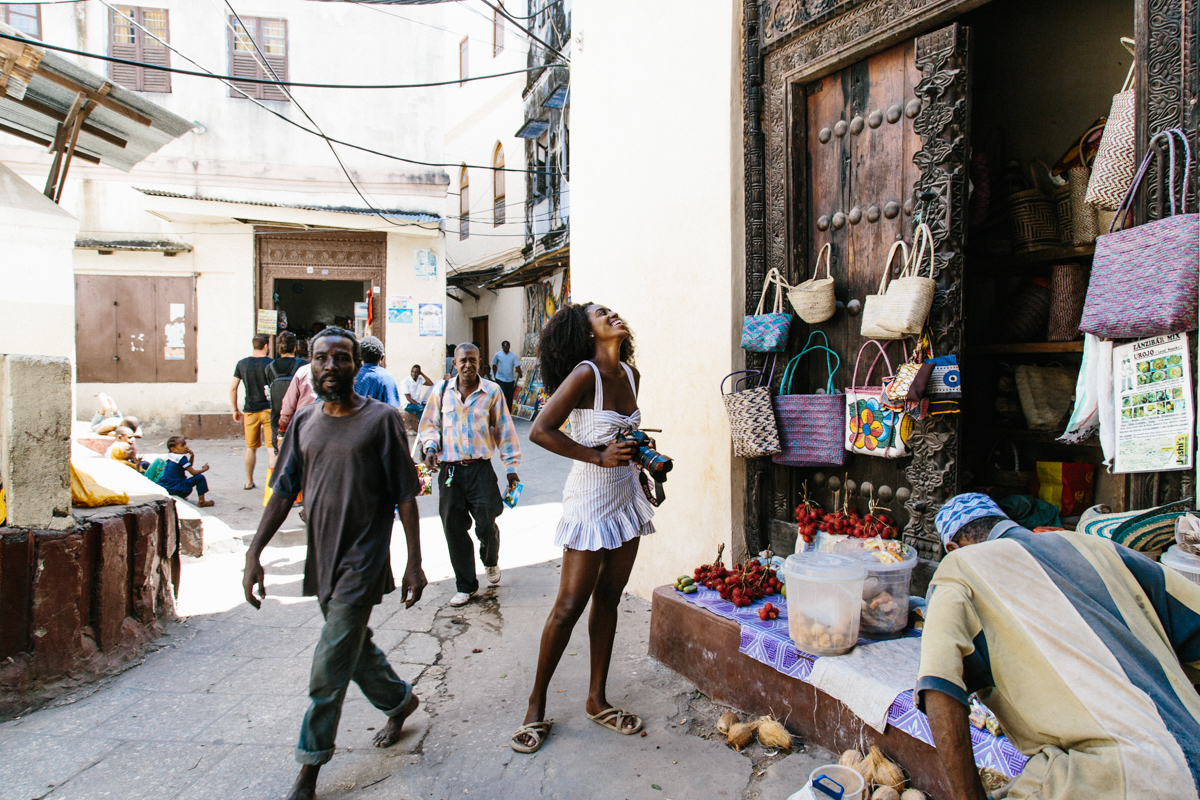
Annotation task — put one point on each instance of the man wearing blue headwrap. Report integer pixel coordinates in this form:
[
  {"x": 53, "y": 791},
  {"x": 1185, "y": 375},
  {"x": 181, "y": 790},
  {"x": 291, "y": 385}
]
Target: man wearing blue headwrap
[{"x": 1086, "y": 652}]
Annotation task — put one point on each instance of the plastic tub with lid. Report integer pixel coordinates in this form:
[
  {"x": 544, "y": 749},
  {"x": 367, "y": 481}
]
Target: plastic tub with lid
[
  {"x": 885, "y": 591},
  {"x": 1181, "y": 561},
  {"x": 824, "y": 593}
]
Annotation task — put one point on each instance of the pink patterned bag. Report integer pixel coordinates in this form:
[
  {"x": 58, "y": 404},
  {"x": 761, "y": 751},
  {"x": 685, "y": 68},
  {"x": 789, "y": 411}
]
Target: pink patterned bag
[{"x": 1144, "y": 279}]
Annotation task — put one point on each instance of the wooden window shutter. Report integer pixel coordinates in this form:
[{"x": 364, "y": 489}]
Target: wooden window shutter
[
  {"x": 272, "y": 41},
  {"x": 271, "y": 37},
  {"x": 498, "y": 215},
  {"x": 497, "y": 32},
  {"x": 155, "y": 20},
  {"x": 464, "y": 204},
  {"x": 123, "y": 43},
  {"x": 242, "y": 61},
  {"x": 462, "y": 61}
]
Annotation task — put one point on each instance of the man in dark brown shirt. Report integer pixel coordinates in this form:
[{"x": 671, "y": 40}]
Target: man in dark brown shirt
[{"x": 349, "y": 455}]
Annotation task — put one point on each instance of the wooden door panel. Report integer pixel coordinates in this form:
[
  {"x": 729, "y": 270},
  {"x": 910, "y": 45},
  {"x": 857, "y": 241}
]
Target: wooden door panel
[
  {"x": 172, "y": 295},
  {"x": 136, "y": 337},
  {"x": 95, "y": 329}
]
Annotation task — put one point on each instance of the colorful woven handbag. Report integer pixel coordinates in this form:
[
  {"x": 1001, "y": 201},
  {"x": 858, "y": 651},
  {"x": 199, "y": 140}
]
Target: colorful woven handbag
[
  {"x": 768, "y": 333},
  {"x": 872, "y": 428},
  {"x": 810, "y": 425},
  {"x": 751, "y": 415},
  {"x": 1144, "y": 278}
]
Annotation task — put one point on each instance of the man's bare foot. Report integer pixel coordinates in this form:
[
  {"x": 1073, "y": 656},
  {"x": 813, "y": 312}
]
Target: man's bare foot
[
  {"x": 305, "y": 787},
  {"x": 205, "y": 503},
  {"x": 391, "y": 732}
]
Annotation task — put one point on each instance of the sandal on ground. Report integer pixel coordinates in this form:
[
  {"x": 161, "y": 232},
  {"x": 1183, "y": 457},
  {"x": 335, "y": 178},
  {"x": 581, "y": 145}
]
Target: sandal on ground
[
  {"x": 614, "y": 719},
  {"x": 538, "y": 731}
]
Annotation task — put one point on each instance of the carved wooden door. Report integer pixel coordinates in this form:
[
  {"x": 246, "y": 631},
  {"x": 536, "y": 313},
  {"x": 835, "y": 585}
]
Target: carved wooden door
[{"x": 886, "y": 142}]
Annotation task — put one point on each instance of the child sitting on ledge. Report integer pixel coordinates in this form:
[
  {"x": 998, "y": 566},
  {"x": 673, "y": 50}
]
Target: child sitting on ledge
[{"x": 177, "y": 466}]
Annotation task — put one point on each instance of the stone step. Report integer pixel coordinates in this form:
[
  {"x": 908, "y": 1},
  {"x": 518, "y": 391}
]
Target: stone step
[{"x": 201, "y": 534}]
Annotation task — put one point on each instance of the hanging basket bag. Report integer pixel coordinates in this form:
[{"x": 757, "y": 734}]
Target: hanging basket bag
[
  {"x": 1144, "y": 278},
  {"x": 751, "y": 415},
  {"x": 1027, "y": 314},
  {"x": 872, "y": 428},
  {"x": 875, "y": 306},
  {"x": 811, "y": 426},
  {"x": 910, "y": 297},
  {"x": 1112, "y": 171},
  {"x": 1046, "y": 394},
  {"x": 768, "y": 333},
  {"x": 1068, "y": 288},
  {"x": 813, "y": 300},
  {"x": 1084, "y": 226}
]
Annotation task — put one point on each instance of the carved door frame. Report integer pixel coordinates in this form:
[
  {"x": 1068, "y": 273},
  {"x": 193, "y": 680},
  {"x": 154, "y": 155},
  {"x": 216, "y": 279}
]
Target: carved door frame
[
  {"x": 788, "y": 43},
  {"x": 333, "y": 255}
]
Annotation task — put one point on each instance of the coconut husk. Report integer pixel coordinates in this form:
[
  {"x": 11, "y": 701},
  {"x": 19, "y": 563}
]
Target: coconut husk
[
  {"x": 850, "y": 758},
  {"x": 885, "y": 793},
  {"x": 740, "y": 735},
  {"x": 727, "y": 721},
  {"x": 912, "y": 794},
  {"x": 883, "y": 771},
  {"x": 773, "y": 734}
]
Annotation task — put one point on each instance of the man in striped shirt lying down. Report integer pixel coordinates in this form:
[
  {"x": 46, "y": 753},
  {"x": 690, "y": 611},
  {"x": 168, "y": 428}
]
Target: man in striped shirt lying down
[{"x": 1085, "y": 650}]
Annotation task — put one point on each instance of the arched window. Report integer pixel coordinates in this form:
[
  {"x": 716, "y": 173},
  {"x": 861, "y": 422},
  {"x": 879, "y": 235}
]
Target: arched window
[
  {"x": 498, "y": 185},
  {"x": 464, "y": 203}
]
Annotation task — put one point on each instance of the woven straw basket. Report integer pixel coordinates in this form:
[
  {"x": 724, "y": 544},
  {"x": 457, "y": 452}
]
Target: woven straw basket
[
  {"x": 1116, "y": 160},
  {"x": 910, "y": 297},
  {"x": 813, "y": 300},
  {"x": 1068, "y": 288},
  {"x": 875, "y": 306},
  {"x": 812, "y": 427},
  {"x": 751, "y": 418},
  {"x": 1046, "y": 394},
  {"x": 1084, "y": 227}
]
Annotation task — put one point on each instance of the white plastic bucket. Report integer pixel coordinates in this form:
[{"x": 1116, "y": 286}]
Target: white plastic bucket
[{"x": 851, "y": 782}]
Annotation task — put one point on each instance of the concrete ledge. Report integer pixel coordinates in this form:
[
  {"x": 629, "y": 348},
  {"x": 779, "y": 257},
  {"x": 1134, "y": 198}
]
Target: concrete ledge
[
  {"x": 210, "y": 425},
  {"x": 703, "y": 648},
  {"x": 201, "y": 534}
]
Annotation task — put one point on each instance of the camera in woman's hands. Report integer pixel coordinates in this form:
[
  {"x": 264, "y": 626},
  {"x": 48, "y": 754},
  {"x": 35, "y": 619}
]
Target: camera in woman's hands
[{"x": 646, "y": 457}]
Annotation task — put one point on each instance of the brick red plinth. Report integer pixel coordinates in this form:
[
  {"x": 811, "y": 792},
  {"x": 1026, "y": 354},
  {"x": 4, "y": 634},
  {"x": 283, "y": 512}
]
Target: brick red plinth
[
  {"x": 76, "y": 605},
  {"x": 703, "y": 648},
  {"x": 210, "y": 425}
]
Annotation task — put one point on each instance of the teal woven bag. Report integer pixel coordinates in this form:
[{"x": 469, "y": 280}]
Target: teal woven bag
[{"x": 768, "y": 333}]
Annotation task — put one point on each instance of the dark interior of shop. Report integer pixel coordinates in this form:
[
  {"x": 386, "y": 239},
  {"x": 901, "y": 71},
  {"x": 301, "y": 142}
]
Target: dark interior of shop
[
  {"x": 1043, "y": 73},
  {"x": 325, "y": 301}
]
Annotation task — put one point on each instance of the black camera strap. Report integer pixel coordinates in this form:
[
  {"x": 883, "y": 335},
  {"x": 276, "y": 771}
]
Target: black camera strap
[{"x": 658, "y": 495}]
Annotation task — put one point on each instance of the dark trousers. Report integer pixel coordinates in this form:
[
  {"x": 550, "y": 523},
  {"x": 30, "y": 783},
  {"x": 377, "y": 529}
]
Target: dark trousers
[
  {"x": 197, "y": 482},
  {"x": 473, "y": 493},
  {"x": 508, "y": 387},
  {"x": 345, "y": 652}
]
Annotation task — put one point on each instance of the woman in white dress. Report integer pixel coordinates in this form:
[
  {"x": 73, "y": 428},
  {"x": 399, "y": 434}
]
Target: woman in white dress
[{"x": 586, "y": 356}]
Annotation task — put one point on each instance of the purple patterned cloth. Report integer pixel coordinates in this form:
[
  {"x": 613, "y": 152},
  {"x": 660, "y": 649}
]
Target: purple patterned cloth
[{"x": 770, "y": 643}]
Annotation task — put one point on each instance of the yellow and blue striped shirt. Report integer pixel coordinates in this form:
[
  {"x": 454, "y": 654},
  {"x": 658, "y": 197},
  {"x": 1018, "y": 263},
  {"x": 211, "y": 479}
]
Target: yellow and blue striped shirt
[{"x": 1085, "y": 651}]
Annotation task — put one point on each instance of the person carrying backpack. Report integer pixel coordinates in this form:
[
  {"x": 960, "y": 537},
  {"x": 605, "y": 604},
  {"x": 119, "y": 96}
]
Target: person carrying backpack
[{"x": 279, "y": 377}]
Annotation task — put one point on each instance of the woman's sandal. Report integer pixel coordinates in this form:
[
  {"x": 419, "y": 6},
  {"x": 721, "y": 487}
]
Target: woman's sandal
[
  {"x": 614, "y": 719},
  {"x": 538, "y": 731}
]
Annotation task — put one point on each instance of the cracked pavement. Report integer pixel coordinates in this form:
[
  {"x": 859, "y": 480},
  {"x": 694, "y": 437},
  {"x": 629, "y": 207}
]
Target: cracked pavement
[{"x": 215, "y": 710}]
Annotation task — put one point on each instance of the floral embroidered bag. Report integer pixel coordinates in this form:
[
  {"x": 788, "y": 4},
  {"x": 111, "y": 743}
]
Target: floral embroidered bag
[{"x": 872, "y": 428}]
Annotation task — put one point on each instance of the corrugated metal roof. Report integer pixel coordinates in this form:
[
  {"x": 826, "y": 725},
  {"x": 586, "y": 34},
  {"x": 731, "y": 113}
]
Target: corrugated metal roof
[
  {"x": 152, "y": 245},
  {"x": 141, "y": 140},
  {"x": 390, "y": 213}
]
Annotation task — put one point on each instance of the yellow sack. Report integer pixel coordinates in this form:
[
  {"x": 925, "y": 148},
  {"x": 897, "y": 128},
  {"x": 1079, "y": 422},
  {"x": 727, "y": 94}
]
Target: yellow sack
[
  {"x": 3, "y": 507},
  {"x": 86, "y": 493}
]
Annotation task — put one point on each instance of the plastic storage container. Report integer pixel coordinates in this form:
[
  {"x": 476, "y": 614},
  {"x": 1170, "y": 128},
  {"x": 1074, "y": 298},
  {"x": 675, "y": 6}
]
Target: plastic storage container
[
  {"x": 824, "y": 593},
  {"x": 885, "y": 591},
  {"x": 1178, "y": 559}
]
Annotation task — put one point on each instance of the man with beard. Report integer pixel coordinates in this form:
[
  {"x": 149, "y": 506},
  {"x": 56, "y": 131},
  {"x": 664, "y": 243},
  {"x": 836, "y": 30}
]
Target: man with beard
[
  {"x": 349, "y": 454},
  {"x": 467, "y": 422}
]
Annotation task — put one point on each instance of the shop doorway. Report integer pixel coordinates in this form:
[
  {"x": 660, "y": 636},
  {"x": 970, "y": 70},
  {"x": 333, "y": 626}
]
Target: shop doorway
[
  {"x": 318, "y": 276},
  {"x": 479, "y": 335}
]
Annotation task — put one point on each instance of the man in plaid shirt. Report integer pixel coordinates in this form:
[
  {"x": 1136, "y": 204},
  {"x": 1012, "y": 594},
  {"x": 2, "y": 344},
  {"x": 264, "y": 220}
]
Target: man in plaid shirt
[{"x": 465, "y": 423}]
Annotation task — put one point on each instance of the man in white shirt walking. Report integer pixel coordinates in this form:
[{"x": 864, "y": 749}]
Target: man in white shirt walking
[{"x": 506, "y": 371}]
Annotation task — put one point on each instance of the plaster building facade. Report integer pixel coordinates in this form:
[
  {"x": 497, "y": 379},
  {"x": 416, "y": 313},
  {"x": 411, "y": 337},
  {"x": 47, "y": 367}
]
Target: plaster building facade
[
  {"x": 248, "y": 212},
  {"x": 485, "y": 204}
]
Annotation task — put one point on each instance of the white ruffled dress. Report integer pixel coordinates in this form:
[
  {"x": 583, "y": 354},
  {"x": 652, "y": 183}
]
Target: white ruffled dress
[{"x": 603, "y": 507}]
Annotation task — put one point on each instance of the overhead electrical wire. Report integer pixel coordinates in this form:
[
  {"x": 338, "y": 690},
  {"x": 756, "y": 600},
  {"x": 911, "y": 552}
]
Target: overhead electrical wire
[
  {"x": 500, "y": 10},
  {"x": 266, "y": 81},
  {"x": 376, "y": 7},
  {"x": 275, "y": 113}
]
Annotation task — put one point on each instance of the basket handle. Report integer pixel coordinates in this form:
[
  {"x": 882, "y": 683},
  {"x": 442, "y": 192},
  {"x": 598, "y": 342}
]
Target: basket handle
[
  {"x": 1131, "y": 46},
  {"x": 789, "y": 375},
  {"x": 1083, "y": 140},
  {"x": 826, "y": 251},
  {"x": 773, "y": 277},
  {"x": 887, "y": 264},
  {"x": 746, "y": 374},
  {"x": 923, "y": 236},
  {"x": 882, "y": 353},
  {"x": 1169, "y": 136}
]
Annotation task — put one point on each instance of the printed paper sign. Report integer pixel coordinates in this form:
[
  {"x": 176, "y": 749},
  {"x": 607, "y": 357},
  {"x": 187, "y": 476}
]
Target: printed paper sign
[
  {"x": 426, "y": 264},
  {"x": 174, "y": 333},
  {"x": 360, "y": 310},
  {"x": 1155, "y": 416},
  {"x": 268, "y": 321},
  {"x": 400, "y": 309},
  {"x": 430, "y": 319}
]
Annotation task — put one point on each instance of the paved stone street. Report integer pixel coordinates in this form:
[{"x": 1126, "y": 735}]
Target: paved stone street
[{"x": 215, "y": 711}]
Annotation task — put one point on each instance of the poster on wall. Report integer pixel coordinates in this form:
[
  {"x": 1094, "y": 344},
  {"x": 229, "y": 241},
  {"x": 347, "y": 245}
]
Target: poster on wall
[
  {"x": 268, "y": 321},
  {"x": 361, "y": 310},
  {"x": 400, "y": 309},
  {"x": 430, "y": 320},
  {"x": 1155, "y": 415},
  {"x": 426, "y": 264},
  {"x": 175, "y": 331}
]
